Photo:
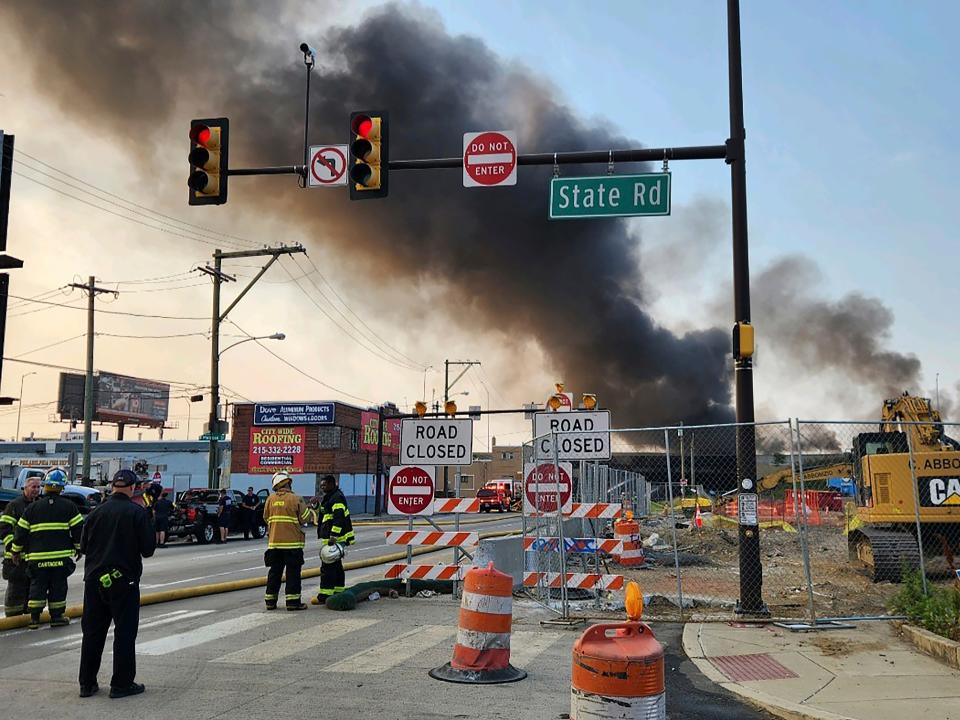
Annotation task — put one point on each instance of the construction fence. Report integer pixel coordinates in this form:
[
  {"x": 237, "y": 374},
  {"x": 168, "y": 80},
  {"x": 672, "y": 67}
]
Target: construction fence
[{"x": 822, "y": 490}]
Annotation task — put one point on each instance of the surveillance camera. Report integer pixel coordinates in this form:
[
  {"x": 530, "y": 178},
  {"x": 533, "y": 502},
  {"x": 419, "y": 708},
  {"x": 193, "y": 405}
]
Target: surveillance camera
[{"x": 307, "y": 50}]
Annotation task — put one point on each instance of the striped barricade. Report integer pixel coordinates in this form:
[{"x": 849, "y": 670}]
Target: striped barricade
[
  {"x": 456, "y": 505},
  {"x": 426, "y": 572},
  {"x": 594, "y": 510},
  {"x": 574, "y": 545},
  {"x": 426, "y": 537},
  {"x": 585, "y": 581}
]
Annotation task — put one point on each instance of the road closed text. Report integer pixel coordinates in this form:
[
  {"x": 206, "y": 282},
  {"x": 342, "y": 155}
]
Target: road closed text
[{"x": 436, "y": 442}]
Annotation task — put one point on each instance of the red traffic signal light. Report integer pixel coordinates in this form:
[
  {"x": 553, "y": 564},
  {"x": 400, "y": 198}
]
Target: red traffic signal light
[
  {"x": 209, "y": 144},
  {"x": 368, "y": 155}
]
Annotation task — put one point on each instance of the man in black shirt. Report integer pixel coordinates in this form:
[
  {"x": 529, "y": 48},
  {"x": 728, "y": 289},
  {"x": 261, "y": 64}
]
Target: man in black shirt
[
  {"x": 249, "y": 509},
  {"x": 115, "y": 537},
  {"x": 162, "y": 509},
  {"x": 224, "y": 513}
]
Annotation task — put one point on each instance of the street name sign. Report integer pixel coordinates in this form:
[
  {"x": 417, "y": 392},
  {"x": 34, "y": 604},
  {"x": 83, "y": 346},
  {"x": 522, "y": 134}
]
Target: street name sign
[
  {"x": 580, "y": 435},
  {"x": 411, "y": 490},
  {"x": 436, "y": 441},
  {"x": 543, "y": 490},
  {"x": 213, "y": 436},
  {"x": 609, "y": 196},
  {"x": 489, "y": 158},
  {"x": 328, "y": 166}
]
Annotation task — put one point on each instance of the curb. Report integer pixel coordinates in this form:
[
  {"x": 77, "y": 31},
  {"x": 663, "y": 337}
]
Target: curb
[
  {"x": 936, "y": 646},
  {"x": 773, "y": 705},
  {"x": 75, "y": 611}
]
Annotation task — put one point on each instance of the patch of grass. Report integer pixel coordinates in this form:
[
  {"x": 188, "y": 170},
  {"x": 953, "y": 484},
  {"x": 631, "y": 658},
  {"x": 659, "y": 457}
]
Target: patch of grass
[{"x": 938, "y": 611}]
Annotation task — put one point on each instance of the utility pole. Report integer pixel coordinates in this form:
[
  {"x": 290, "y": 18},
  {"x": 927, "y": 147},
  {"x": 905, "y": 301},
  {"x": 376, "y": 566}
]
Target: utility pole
[
  {"x": 219, "y": 277},
  {"x": 92, "y": 291},
  {"x": 447, "y": 385},
  {"x": 7, "y": 262}
]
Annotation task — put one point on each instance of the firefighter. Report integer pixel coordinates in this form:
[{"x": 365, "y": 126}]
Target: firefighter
[
  {"x": 284, "y": 513},
  {"x": 18, "y": 584},
  {"x": 334, "y": 528},
  {"x": 46, "y": 538}
]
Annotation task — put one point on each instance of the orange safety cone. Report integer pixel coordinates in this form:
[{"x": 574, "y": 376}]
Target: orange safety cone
[
  {"x": 628, "y": 532},
  {"x": 481, "y": 654},
  {"x": 618, "y": 670}
]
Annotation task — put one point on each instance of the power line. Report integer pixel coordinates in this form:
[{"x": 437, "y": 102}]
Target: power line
[
  {"x": 53, "y": 366},
  {"x": 112, "y": 312},
  {"x": 153, "y": 337},
  {"x": 53, "y": 344},
  {"x": 302, "y": 372}
]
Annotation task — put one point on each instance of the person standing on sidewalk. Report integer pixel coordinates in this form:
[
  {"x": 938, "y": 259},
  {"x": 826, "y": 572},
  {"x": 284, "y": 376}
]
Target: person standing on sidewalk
[
  {"x": 284, "y": 513},
  {"x": 18, "y": 584},
  {"x": 333, "y": 528},
  {"x": 46, "y": 538},
  {"x": 116, "y": 537},
  {"x": 249, "y": 509}
]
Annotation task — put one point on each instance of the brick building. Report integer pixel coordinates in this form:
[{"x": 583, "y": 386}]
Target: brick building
[{"x": 504, "y": 461}]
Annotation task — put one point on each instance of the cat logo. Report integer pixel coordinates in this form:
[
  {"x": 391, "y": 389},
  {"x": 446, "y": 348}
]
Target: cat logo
[{"x": 945, "y": 491}]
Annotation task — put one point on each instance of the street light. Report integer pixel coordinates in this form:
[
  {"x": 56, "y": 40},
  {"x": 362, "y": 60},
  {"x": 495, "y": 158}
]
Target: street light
[
  {"x": 20, "y": 403},
  {"x": 275, "y": 336}
]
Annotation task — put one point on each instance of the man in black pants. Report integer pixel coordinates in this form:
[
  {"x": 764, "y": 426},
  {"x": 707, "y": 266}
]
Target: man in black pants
[{"x": 115, "y": 537}]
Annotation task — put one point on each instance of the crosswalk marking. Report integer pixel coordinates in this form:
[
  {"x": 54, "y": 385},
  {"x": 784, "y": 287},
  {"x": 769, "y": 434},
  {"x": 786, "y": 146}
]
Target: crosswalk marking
[
  {"x": 161, "y": 619},
  {"x": 526, "y": 645},
  {"x": 391, "y": 653},
  {"x": 199, "y": 636},
  {"x": 293, "y": 643}
]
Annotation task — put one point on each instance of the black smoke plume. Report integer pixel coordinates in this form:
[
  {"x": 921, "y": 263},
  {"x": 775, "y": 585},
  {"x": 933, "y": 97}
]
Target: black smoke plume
[{"x": 574, "y": 286}]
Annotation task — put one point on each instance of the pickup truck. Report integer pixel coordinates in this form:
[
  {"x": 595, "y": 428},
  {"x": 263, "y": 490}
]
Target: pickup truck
[
  {"x": 195, "y": 515},
  {"x": 85, "y": 498}
]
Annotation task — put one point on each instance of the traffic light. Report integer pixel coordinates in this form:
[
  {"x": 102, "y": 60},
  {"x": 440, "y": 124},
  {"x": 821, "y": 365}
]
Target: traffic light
[
  {"x": 209, "y": 144},
  {"x": 369, "y": 140}
]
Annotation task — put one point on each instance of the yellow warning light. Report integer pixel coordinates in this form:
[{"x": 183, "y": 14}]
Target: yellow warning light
[
  {"x": 589, "y": 401},
  {"x": 633, "y": 603},
  {"x": 554, "y": 402},
  {"x": 450, "y": 407},
  {"x": 559, "y": 386},
  {"x": 420, "y": 408}
]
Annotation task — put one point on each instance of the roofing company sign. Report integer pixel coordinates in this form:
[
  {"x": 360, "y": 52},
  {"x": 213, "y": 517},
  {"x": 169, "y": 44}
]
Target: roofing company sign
[{"x": 293, "y": 413}]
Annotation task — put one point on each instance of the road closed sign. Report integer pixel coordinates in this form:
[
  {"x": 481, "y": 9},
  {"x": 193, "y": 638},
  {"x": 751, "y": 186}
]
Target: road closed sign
[
  {"x": 489, "y": 159},
  {"x": 436, "y": 441},
  {"x": 411, "y": 490},
  {"x": 544, "y": 490},
  {"x": 580, "y": 435}
]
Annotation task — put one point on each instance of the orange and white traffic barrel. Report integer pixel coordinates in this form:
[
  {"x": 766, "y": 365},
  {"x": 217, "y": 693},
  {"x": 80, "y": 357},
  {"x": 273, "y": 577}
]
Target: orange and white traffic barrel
[
  {"x": 628, "y": 532},
  {"x": 618, "y": 673},
  {"x": 482, "y": 652}
]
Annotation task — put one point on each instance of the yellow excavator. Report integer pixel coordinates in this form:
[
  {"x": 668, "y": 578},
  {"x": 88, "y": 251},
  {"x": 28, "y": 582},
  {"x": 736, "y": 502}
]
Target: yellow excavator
[{"x": 884, "y": 533}]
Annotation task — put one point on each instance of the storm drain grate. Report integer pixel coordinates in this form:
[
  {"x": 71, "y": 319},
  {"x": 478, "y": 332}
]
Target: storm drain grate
[{"x": 752, "y": 667}]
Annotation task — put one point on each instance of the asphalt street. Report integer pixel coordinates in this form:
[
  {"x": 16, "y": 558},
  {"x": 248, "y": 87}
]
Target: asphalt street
[
  {"x": 182, "y": 564},
  {"x": 223, "y": 655}
]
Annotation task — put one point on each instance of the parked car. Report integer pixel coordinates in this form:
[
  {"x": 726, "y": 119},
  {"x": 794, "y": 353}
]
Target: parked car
[
  {"x": 491, "y": 499},
  {"x": 195, "y": 515},
  {"x": 86, "y": 498}
]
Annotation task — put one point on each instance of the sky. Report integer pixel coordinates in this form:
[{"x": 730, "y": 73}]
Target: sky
[{"x": 848, "y": 109}]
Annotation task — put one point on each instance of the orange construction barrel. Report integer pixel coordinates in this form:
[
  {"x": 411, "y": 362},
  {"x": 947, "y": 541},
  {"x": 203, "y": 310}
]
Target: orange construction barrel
[
  {"x": 628, "y": 532},
  {"x": 618, "y": 673}
]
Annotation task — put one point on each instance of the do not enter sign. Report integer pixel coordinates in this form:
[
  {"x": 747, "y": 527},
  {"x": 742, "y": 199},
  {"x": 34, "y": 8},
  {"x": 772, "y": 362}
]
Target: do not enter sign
[
  {"x": 489, "y": 159},
  {"x": 543, "y": 490},
  {"x": 411, "y": 490}
]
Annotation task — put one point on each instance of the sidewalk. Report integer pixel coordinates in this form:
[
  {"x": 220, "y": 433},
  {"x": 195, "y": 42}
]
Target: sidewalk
[{"x": 868, "y": 673}]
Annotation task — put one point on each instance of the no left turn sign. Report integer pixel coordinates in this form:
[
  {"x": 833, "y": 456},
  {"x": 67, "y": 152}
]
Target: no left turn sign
[
  {"x": 328, "y": 166},
  {"x": 489, "y": 159}
]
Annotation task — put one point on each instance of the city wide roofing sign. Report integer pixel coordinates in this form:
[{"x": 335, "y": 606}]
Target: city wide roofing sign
[
  {"x": 277, "y": 448},
  {"x": 369, "y": 421}
]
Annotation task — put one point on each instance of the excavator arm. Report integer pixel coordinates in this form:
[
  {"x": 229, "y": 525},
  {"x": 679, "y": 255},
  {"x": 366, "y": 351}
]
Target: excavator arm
[{"x": 822, "y": 472}]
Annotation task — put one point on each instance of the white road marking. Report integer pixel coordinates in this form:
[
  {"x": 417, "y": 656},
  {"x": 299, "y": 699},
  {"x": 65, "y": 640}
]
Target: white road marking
[
  {"x": 286, "y": 645},
  {"x": 203, "y": 577},
  {"x": 165, "y": 621},
  {"x": 391, "y": 653},
  {"x": 199, "y": 636},
  {"x": 526, "y": 645},
  {"x": 152, "y": 621}
]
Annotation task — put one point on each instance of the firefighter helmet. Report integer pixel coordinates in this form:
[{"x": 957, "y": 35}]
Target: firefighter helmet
[
  {"x": 55, "y": 477},
  {"x": 331, "y": 553},
  {"x": 280, "y": 478}
]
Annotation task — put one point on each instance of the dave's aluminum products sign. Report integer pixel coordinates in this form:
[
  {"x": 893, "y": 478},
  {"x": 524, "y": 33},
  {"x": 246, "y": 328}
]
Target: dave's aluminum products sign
[
  {"x": 580, "y": 435},
  {"x": 436, "y": 441},
  {"x": 747, "y": 508},
  {"x": 293, "y": 413}
]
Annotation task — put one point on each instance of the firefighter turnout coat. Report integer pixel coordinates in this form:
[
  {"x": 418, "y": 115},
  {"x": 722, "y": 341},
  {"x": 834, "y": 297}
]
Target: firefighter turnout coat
[
  {"x": 8, "y": 523},
  {"x": 284, "y": 513},
  {"x": 48, "y": 532},
  {"x": 334, "y": 519}
]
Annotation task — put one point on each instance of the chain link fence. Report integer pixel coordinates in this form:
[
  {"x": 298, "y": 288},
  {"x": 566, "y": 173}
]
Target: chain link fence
[{"x": 844, "y": 511}]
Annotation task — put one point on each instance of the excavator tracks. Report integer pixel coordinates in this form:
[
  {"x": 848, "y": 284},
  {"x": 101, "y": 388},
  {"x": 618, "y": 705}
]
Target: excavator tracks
[{"x": 887, "y": 553}]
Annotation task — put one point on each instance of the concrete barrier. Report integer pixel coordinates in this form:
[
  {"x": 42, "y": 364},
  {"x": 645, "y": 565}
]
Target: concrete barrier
[{"x": 507, "y": 555}]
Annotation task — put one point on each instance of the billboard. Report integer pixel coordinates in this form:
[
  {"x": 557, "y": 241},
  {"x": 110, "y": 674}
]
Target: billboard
[
  {"x": 116, "y": 398},
  {"x": 277, "y": 448},
  {"x": 317, "y": 413},
  {"x": 368, "y": 433}
]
